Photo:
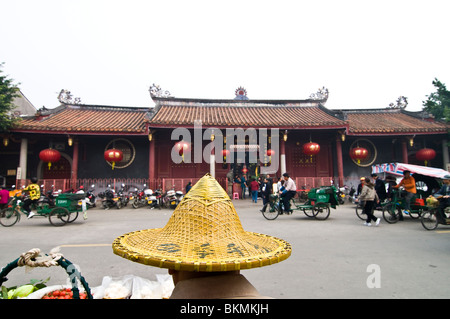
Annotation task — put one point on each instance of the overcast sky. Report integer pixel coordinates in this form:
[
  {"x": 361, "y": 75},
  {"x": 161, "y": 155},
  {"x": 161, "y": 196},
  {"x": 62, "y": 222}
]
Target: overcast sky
[{"x": 366, "y": 53}]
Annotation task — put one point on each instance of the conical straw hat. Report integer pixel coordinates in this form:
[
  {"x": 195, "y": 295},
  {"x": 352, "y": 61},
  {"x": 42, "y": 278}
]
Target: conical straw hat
[{"x": 204, "y": 233}]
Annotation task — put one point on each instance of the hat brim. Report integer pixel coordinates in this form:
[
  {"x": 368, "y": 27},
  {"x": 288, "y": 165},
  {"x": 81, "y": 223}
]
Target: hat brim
[{"x": 252, "y": 250}]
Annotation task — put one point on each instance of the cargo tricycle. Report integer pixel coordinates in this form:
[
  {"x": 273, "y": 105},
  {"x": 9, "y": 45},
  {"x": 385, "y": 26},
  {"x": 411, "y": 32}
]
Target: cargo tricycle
[
  {"x": 316, "y": 206},
  {"x": 65, "y": 209}
]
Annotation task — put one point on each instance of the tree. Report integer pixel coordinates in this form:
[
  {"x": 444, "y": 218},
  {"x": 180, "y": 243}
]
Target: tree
[
  {"x": 8, "y": 91},
  {"x": 438, "y": 103}
]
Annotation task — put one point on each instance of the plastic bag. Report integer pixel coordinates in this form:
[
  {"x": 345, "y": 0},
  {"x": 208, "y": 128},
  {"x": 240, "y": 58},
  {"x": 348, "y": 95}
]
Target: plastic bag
[
  {"x": 146, "y": 289},
  {"x": 167, "y": 285},
  {"x": 114, "y": 288}
]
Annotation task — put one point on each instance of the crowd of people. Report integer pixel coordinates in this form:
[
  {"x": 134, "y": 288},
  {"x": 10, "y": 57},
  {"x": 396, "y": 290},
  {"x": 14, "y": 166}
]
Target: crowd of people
[{"x": 372, "y": 191}]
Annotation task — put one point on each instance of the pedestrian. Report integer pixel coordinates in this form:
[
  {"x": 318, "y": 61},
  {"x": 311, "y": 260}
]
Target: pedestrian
[
  {"x": 266, "y": 191},
  {"x": 4, "y": 197},
  {"x": 243, "y": 186},
  {"x": 35, "y": 193},
  {"x": 391, "y": 181},
  {"x": 288, "y": 191},
  {"x": 409, "y": 184},
  {"x": 369, "y": 196},
  {"x": 188, "y": 187},
  {"x": 204, "y": 247},
  {"x": 380, "y": 187},
  {"x": 254, "y": 187}
]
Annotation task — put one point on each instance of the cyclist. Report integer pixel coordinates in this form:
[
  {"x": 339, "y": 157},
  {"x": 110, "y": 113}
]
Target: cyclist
[
  {"x": 443, "y": 195},
  {"x": 35, "y": 193},
  {"x": 409, "y": 183}
]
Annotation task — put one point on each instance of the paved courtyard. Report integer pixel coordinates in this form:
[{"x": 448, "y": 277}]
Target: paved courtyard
[{"x": 335, "y": 258}]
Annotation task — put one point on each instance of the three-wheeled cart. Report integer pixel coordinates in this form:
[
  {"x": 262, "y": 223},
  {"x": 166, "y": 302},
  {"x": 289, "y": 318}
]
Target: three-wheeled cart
[
  {"x": 316, "y": 206},
  {"x": 65, "y": 209}
]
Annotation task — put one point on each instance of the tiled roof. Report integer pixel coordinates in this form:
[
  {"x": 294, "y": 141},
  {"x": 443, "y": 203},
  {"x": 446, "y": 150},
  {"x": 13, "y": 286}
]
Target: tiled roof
[
  {"x": 232, "y": 113},
  {"x": 89, "y": 119},
  {"x": 390, "y": 121}
]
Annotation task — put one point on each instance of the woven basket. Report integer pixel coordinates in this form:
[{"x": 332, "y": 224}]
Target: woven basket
[{"x": 203, "y": 234}]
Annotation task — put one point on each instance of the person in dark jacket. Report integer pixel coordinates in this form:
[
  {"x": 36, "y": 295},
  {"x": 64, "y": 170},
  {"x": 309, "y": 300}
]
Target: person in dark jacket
[{"x": 380, "y": 188}]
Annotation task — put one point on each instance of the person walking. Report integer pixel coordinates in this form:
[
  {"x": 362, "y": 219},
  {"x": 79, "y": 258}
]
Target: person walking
[
  {"x": 369, "y": 196},
  {"x": 380, "y": 188},
  {"x": 254, "y": 187},
  {"x": 243, "y": 186}
]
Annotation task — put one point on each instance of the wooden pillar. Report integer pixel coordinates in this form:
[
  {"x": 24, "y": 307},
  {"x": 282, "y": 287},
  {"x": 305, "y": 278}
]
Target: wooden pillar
[
  {"x": 283, "y": 156},
  {"x": 340, "y": 163},
  {"x": 22, "y": 163},
  {"x": 151, "y": 162},
  {"x": 75, "y": 164},
  {"x": 404, "y": 152}
]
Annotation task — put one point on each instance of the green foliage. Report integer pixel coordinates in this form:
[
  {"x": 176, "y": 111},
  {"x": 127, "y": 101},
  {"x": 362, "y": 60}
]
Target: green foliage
[
  {"x": 438, "y": 103},
  {"x": 8, "y": 91}
]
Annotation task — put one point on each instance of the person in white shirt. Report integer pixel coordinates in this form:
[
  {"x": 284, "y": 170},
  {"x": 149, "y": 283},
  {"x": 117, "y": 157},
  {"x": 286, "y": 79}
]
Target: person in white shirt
[{"x": 287, "y": 192}]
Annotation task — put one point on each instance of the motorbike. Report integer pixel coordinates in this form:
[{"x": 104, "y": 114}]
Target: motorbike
[
  {"x": 179, "y": 195},
  {"x": 155, "y": 200},
  {"x": 90, "y": 197},
  {"x": 139, "y": 199},
  {"x": 123, "y": 198},
  {"x": 171, "y": 199},
  {"x": 110, "y": 199}
]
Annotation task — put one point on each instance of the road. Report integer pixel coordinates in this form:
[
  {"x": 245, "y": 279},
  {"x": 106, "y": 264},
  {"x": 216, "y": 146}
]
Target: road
[{"x": 335, "y": 258}]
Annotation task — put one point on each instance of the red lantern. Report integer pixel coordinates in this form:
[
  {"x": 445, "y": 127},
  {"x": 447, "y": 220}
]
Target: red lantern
[
  {"x": 244, "y": 170},
  {"x": 182, "y": 147},
  {"x": 49, "y": 155},
  {"x": 225, "y": 153},
  {"x": 426, "y": 154},
  {"x": 358, "y": 154},
  {"x": 270, "y": 152},
  {"x": 311, "y": 148},
  {"x": 113, "y": 155}
]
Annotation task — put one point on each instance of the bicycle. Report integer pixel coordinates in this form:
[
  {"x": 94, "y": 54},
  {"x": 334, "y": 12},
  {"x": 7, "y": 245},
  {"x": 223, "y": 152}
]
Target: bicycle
[{"x": 392, "y": 211}]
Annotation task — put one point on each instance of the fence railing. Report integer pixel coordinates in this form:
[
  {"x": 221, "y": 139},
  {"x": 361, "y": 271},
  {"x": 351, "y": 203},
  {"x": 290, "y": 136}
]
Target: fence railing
[{"x": 100, "y": 184}]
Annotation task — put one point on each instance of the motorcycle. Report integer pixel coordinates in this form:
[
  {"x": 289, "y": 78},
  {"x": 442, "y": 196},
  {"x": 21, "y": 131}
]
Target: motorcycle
[
  {"x": 139, "y": 199},
  {"x": 90, "y": 197},
  {"x": 123, "y": 198},
  {"x": 109, "y": 199},
  {"x": 155, "y": 200},
  {"x": 171, "y": 199},
  {"x": 179, "y": 195}
]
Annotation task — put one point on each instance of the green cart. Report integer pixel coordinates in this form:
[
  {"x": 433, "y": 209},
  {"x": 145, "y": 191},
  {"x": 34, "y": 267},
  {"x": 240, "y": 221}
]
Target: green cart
[
  {"x": 64, "y": 210},
  {"x": 316, "y": 206}
]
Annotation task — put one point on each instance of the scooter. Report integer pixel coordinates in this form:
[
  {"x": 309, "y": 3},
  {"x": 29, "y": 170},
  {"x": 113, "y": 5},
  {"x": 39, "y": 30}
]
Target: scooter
[
  {"x": 90, "y": 197},
  {"x": 171, "y": 199}
]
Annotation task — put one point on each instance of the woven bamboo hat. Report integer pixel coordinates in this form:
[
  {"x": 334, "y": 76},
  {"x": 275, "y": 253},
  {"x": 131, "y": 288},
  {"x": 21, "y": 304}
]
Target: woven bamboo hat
[{"x": 204, "y": 234}]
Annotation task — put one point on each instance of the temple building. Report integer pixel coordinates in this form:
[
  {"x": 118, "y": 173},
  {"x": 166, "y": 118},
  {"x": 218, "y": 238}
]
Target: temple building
[{"x": 181, "y": 139}]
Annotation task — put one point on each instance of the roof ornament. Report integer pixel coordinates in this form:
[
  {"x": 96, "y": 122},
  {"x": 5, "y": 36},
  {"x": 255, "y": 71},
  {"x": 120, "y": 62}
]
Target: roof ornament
[
  {"x": 65, "y": 97},
  {"x": 322, "y": 94},
  {"x": 400, "y": 103},
  {"x": 156, "y": 91},
  {"x": 241, "y": 94}
]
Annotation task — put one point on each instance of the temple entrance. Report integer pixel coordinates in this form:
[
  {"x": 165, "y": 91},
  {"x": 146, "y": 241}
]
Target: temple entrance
[{"x": 59, "y": 170}]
